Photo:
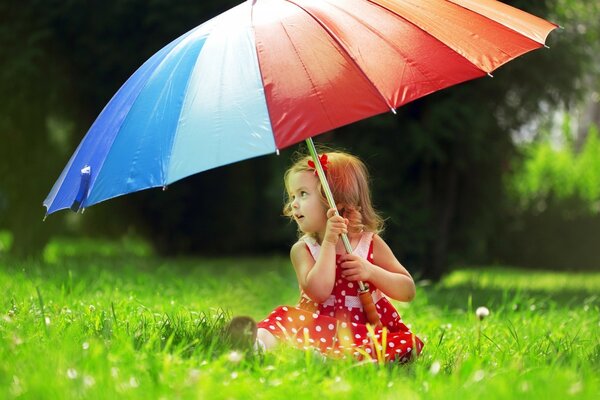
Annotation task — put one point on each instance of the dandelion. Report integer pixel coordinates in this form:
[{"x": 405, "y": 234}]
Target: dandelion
[
  {"x": 89, "y": 381},
  {"x": 133, "y": 382},
  {"x": 92, "y": 308},
  {"x": 85, "y": 345},
  {"x": 576, "y": 388},
  {"x": 235, "y": 357},
  {"x": 72, "y": 373},
  {"x": 482, "y": 312},
  {"x": 193, "y": 376},
  {"x": 435, "y": 368},
  {"x": 47, "y": 320},
  {"x": 479, "y": 375}
]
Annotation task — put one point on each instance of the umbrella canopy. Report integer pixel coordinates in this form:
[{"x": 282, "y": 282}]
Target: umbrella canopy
[{"x": 267, "y": 74}]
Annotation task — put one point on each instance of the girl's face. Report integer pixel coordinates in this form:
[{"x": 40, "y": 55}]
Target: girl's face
[{"x": 307, "y": 207}]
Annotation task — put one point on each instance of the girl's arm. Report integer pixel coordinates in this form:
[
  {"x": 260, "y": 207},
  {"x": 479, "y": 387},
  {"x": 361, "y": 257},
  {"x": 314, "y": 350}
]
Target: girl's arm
[
  {"x": 316, "y": 278},
  {"x": 385, "y": 272}
]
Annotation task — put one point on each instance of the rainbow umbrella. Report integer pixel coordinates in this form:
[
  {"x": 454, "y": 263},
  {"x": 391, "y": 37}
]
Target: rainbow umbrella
[{"x": 267, "y": 74}]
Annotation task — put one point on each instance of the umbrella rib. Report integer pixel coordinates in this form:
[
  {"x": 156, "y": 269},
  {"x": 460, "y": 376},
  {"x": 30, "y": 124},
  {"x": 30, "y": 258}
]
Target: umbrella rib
[
  {"x": 542, "y": 43},
  {"x": 348, "y": 53}
]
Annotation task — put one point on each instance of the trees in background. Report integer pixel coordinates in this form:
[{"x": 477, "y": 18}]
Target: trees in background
[{"x": 439, "y": 167}]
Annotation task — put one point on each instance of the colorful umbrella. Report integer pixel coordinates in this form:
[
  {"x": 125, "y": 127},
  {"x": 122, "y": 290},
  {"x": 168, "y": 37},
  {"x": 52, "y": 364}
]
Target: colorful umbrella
[{"x": 270, "y": 73}]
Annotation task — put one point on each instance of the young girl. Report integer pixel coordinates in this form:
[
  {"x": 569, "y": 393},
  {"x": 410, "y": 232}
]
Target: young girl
[{"x": 330, "y": 316}]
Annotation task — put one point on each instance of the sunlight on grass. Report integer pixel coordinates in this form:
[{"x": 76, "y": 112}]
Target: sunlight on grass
[
  {"x": 124, "y": 324},
  {"x": 507, "y": 278}
]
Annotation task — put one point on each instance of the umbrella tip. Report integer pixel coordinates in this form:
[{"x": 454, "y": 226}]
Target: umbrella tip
[
  {"x": 277, "y": 151},
  {"x": 490, "y": 75},
  {"x": 394, "y": 111},
  {"x": 164, "y": 188},
  {"x": 44, "y": 219}
]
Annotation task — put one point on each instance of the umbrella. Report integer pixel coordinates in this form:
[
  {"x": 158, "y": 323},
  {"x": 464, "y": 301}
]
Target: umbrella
[{"x": 267, "y": 74}]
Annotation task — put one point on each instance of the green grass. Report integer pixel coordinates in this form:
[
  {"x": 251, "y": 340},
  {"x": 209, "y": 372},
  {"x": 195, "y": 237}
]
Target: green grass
[{"x": 131, "y": 325}]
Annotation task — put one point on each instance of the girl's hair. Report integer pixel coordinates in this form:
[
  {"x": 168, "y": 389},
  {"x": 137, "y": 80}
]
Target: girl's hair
[{"x": 349, "y": 182}]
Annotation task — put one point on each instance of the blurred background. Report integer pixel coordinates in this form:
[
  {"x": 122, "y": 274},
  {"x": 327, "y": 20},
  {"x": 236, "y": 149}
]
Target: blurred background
[{"x": 502, "y": 170}]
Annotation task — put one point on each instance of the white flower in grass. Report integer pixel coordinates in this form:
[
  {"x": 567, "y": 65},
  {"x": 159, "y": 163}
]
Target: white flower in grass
[
  {"x": 193, "y": 376},
  {"x": 235, "y": 357},
  {"x": 435, "y": 368},
  {"x": 133, "y": 382},
  {"x": 85, "y": 345},
  {"x": 47, "y": 320},
  {"x": 482, "y": 312},
  {"x": 575, "y": 388},
  {"x": 89, "y": 381},
  {"x": 72, "y": 373},
  {"x": 479, "y": 375},
  {"x": 92, "y": 308}
]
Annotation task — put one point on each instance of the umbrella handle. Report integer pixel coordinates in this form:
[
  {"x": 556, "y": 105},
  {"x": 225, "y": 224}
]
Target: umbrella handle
[
  {"x": 363, "y": 293},
  {"x": 369, "y": 307}
]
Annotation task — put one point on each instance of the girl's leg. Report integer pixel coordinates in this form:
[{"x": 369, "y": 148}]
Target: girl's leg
[{"x": 266, "y": 338}]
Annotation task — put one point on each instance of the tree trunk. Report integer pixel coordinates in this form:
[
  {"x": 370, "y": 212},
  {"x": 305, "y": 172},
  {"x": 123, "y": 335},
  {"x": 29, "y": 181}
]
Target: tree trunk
[{"x": 442, "y": 202}]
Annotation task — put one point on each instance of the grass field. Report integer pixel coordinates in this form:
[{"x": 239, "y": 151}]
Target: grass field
[{"x": 130, "y": 325}]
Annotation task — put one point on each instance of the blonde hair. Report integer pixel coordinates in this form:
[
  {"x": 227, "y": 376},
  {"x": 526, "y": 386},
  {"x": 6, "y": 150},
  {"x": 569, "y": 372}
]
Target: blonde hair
[{"x": 349, "y": 182}]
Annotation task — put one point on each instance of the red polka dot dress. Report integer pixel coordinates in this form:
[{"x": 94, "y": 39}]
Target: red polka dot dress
[{"x": 337, "y": 326}]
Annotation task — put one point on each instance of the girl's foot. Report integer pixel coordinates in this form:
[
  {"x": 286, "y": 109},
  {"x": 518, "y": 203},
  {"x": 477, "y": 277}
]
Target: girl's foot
[{"x": 241, "y": 332}]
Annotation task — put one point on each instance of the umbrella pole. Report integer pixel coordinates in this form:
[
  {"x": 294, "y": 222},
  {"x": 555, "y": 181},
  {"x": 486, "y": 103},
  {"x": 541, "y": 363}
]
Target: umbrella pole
[{"x": 363, "y": 293}]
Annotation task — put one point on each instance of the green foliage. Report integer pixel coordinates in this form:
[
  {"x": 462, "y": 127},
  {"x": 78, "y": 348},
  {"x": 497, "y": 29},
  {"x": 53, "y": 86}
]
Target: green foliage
[
  {"x": 559, "y": 173},
  {"x": 6, "y": 239},
  {"x": 59, "y": 249},
  {"x": 121, "y": 327}
]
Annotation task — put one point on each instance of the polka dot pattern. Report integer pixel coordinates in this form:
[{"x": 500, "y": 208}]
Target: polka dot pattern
[{"x": 339, "y": 328}]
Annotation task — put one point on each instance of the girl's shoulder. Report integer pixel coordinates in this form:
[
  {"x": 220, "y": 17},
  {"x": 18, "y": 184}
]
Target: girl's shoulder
[{"x": 303, "y": 244}]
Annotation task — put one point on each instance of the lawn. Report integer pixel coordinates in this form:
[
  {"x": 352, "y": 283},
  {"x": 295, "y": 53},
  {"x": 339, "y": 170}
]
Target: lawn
[{"x": 100, "y": 323}]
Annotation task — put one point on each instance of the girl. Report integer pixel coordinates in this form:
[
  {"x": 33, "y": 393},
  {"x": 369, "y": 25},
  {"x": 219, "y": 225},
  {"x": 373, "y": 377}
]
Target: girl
[{"x": 329, "y": 316}]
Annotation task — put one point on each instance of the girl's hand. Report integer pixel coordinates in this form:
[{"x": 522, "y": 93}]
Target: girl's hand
[
  {"x": 336, "y": 225},
  {"x": 355, "y": 268}
]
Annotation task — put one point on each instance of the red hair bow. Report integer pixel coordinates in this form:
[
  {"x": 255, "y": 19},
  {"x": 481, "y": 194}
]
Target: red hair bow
[{"x": 322, "y": 161}]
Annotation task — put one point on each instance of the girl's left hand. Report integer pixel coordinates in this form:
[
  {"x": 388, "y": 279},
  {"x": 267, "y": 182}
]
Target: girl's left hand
[{"x": 355, "y": 268}]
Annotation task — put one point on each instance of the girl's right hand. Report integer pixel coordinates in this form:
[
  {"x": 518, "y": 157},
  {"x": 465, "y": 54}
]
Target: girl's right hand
[{"x": 336, "y": 225}]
